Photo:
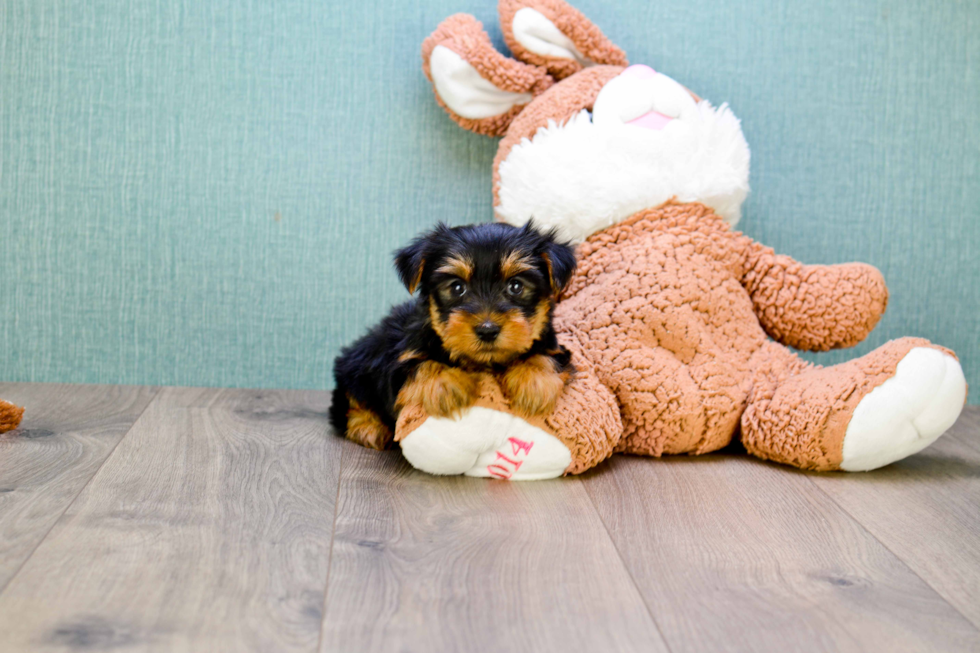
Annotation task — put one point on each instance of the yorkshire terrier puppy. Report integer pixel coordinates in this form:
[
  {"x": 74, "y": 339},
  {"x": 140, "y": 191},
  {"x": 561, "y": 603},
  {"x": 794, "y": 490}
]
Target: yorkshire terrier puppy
[{"x": 486, "y": 294}]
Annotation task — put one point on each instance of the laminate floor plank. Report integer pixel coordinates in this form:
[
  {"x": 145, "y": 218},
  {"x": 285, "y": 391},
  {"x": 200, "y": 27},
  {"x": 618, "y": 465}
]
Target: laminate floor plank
[
  {"x": 733, "y": 553},
  {"x": 67, "y": 433},
  {"x": 208, "y": 529},
  {"x": 207, "y": 525},
  {"x": 926, "y": 510},
  {"x": 423, "y": 563}
]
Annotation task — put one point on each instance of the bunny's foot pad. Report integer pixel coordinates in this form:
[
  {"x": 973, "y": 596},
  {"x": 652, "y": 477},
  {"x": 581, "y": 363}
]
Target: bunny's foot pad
[
  {"x": 486, "y": 443},
  {"x": 906, "y": 413}
]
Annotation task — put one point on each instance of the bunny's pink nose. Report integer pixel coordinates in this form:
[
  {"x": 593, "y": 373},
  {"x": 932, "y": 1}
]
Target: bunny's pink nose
[
  {"x": 654, "y": 119},
  {"x": 638, "y": 71},
  {"x": 641, "y": 97}
]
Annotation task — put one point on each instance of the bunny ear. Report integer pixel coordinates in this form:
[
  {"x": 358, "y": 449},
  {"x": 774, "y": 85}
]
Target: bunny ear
[
  {"x": 553, "y": 34},
  {"x": 479, "y": 88}
]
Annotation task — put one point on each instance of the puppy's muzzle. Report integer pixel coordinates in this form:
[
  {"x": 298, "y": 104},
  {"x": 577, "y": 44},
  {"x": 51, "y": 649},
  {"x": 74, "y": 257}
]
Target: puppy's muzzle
[{"x": 487, "y": 331}]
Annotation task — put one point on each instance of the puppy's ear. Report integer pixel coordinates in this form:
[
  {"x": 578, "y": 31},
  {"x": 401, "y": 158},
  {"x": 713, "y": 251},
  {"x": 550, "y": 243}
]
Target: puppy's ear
[
  {"x": 560, "y": 259},
  {"x": 410, "y": 263}
]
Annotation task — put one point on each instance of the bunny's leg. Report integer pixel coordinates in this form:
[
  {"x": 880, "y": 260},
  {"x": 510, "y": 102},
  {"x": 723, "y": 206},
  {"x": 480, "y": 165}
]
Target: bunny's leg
[
  {"x": 671, "y": 407},
  {"x": 856, "y": 416}
]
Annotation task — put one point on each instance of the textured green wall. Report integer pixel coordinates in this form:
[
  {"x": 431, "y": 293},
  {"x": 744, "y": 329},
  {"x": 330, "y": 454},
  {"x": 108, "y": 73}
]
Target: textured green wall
[{"x": 206, "y": 192}]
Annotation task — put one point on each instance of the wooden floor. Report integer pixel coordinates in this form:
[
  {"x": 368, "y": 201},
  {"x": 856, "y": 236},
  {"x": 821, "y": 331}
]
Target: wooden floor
[{"x": 174, "y": 519}]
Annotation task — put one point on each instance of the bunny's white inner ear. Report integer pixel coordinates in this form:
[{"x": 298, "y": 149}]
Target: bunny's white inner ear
[
  {"x": 465, "y": 92},
  {"x": 539, "y": 35}
]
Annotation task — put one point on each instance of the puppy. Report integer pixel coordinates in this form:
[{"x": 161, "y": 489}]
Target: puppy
[{"x": 486, "y": 294}]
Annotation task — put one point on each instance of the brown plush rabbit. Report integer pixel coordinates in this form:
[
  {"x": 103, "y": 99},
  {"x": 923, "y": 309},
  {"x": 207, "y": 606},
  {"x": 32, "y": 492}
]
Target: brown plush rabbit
[{"x": 679, "y": 326}]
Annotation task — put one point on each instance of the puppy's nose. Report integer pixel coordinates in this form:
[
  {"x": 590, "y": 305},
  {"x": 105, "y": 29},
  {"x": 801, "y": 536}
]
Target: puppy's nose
[{"x": 487, "y": 332}]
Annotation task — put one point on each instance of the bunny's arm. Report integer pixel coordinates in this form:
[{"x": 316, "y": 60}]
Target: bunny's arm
[{"x": 812, "y": 307}]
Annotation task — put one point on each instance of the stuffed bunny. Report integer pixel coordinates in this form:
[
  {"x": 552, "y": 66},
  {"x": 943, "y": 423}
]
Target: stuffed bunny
[{"x": 679, "y": 327}]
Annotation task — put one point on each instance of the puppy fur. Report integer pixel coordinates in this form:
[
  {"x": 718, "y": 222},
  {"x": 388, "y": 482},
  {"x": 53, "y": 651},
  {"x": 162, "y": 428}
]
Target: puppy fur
[{"x": 485, "y": 298}]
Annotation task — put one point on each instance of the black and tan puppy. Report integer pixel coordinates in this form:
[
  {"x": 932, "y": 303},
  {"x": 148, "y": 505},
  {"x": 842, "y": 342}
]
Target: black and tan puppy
[{"x": 486, "y": 294}]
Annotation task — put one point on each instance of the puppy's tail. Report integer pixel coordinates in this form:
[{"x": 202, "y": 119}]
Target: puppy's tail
[{"x": 339, "y": 406}]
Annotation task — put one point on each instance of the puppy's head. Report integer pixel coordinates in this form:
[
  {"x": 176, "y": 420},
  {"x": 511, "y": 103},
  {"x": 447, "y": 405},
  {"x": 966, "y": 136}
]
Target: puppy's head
[{"x": 490, "y": 288}]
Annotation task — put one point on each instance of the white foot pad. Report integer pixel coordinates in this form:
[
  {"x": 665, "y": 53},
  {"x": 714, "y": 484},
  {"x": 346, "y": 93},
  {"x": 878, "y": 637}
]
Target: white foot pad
[
  {"x": 488, "y": 443},
  {"x": 906, "y": 413}
]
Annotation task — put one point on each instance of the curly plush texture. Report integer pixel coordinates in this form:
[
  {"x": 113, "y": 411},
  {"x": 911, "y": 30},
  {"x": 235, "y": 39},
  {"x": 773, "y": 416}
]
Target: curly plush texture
[
  {"x": 588, "y": 39},
  {"x": 10, "y": 416},
  {"x": 464, "y": 35},
  {"x": 802, "y": 419},
  {"x": 658, "y": 306},
  {"x": 813, "y": 307}
]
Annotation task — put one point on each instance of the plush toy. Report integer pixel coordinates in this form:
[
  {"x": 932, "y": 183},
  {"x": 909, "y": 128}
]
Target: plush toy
[
  {"x": 9, "y": 416},
  {"x": 679, "y": 326}
]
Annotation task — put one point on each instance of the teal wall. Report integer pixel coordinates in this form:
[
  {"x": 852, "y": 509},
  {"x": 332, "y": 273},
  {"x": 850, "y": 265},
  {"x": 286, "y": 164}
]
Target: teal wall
[{"x": 207, "y": 192}]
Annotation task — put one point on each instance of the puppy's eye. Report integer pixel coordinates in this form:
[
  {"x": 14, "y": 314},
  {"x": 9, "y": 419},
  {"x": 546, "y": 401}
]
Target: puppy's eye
[
  {"x": 515, "y": 287},
  {"x": 457, "y": 289}
]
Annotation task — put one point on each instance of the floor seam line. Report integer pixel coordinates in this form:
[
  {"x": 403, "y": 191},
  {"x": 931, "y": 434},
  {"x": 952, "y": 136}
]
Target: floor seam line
[
  {"x": 626, "y": 568},
  {"x": 333, "y": 538},
  {"x": 897, "y": 557}
]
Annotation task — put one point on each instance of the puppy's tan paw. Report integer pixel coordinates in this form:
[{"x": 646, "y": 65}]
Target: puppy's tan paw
[
  {"x": 366, "y": 427},
  {"x": 441, "y": 390},
  {"x": 533, "y": 385}
]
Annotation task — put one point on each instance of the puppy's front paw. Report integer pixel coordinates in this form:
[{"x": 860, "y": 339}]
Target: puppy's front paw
[
  {"x": 534, "y": 385},
  {"x": 441, "y": 390},
  {"x": 365, "y": 427}
]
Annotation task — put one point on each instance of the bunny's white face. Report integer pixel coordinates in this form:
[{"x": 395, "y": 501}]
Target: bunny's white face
[
  {"x": 645, "y": 142},
  {"x": 622, "y": 139}
]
